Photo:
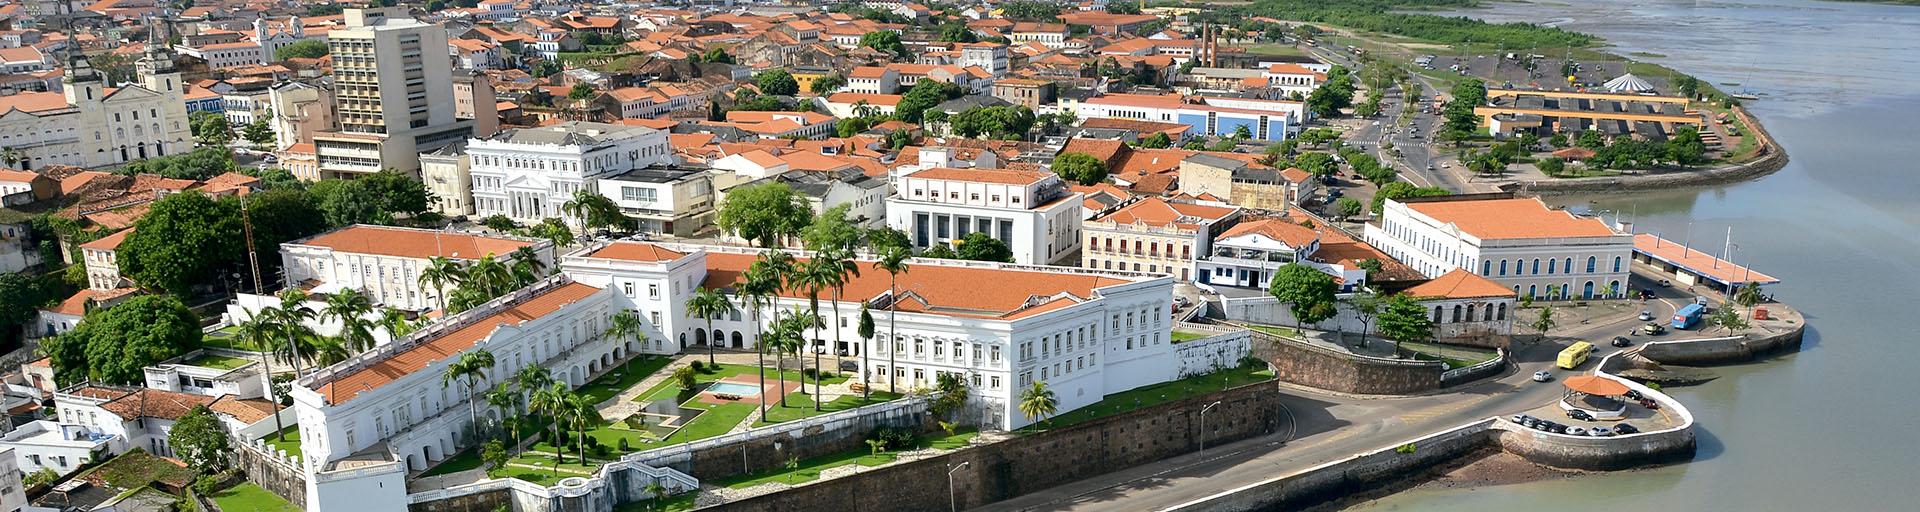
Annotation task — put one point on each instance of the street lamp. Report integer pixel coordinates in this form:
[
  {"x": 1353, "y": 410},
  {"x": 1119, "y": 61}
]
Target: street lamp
[
  {"x": 1203, "y": 424},
  {"x": 953, "y": 504}
]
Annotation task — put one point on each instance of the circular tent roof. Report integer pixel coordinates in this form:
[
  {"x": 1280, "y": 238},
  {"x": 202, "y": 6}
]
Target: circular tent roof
[
  {"x": 1595, "y": 385},
  {"x": 1629, "y": 83}
]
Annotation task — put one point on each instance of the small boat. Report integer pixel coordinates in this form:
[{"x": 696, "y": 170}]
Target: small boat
[{"x": 1745, "y": 96}]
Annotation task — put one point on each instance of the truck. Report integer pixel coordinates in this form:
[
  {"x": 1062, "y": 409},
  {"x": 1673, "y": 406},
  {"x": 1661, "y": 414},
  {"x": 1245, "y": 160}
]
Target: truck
[{"x": 1689, "y": 316}]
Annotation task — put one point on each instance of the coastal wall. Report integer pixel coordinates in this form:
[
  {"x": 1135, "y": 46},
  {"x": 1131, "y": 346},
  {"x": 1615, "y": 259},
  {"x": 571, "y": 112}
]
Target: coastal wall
[
  {"x": 1771, "y": 159},
  {"x": 1733, "y": 349},
  {"x": 1031, "y": 463},
  {"x": 768, "y": 448},
  {"x": 1360, "y": 473},
  {"x": 1325, "y": 368}
]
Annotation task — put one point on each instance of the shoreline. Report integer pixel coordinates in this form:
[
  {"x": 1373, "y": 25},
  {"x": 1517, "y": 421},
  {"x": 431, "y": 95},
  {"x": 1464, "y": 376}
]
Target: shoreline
[
  {"x": 1489, "y": 467},
  {"x": 1773, "y": 159}
]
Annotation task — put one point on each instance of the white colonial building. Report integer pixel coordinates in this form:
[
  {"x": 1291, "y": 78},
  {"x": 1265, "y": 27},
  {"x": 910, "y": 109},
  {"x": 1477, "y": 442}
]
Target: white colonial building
[
  {"x": 385, "y": 262},
  {"x": 1033, "y": 212},
  {"x": 88, "y": 124},
  {"x": 1520, "y": 243},
  {"x": 528, "y": 174}
]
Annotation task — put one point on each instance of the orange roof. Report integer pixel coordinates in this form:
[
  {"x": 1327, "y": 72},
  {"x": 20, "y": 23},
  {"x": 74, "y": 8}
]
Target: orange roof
[
  {"x": 1694, "y": 260},
  {"x": 413, "y": 243},
  {"x": 1460, "y": 284},
  {"x": 347, "y": 386},
  {"x": 943, "y": 289},
  {"x": 636, "y": 251},
  {"x": 871, "y": 99},
  {"x": 76, "y": 305},
  {"x": 1001, "y": 176},
  {"x": 1595, "y": 385},
  {"x": 1154, "y": 211},
  {"x": 33, "y": 101},
  {"x": 109, "y": 242},
  {"x": 154, "y": 403},
  {"x": 1294, "y": 235},
  {"x": 1493, "y": 219}
]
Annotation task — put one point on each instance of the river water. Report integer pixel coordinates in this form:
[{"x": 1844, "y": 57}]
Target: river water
[{"x": 1837, "y": 425}]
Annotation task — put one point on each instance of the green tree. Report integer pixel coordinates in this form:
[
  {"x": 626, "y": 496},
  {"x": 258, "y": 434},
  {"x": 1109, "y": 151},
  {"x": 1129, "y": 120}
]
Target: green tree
[
  {"x": 979, "y": 246},
  {"x": 884, "y": 40},
  {"x": 113, "y": 345},
  {"x": 940, "y": 251},
  {"x": 349, "y": 307},
  {"x": 470, "y": 367},
  {"x": 1317, "y": 164},
  {"x": 210, "y": 128},
  {"x": 1402, "y": 190},
  {"x": 348, "y": 202},
  {"x": 199, "y": 164},
  {"x": 581, "y": 91},
  {"x": 1366, "y": 306},
  {"x": 1543, "y": 321},
  {"x": 593, "y": 210},
  {"x": 707, "y": 303},
  {"x": 1349, "y": 207},
  {"x": 1727, "y": 319},
  {"x": 957, "y": 33},
  {"x": 1459, "y": 110},
  {"x": 1748, "y": 296},
  {"x": 1553, "y": 167},
  {"x": 827, "y": 84},
  {"x": 1404, "y": 319},
  {"x": 1687, "y": 86},
  {"x": 1306, "y": 291},
  {"x": 259, "y": 132},
  {"x": 817, "y": 275},
  {"x": 777, "y": 82},
  {"x": 685, "y": 377},
  {"x": 302, "y": 49},
  {"x": 545, "y": 68},
  {"x": 1080, "y": 168},
  {"x": 764, "y": 213},
  {"x": 1685, "y": 146},
  {"x": 200, "y": 440},
  {"x": 1159, "y": 140},
  {"x": 894, "y": 260},
  {"x": 866, "y": 332},
  {"x": 21, "y": 296},
  {"x": 1037, "y": 402},
  {"x": 185, "y": 239},
  {"x": 914, "y": 103},
  {"x": 949, "y": 395},
  {"x": 716, "y": 54},
  {"x": 494, "y": 454}
]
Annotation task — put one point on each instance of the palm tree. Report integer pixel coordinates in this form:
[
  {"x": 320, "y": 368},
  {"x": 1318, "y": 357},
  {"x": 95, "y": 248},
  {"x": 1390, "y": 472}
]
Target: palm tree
[
  {"x": 624, "y": 325},
  {"x": 845, "y": 269},
  {"x": 1749, "y": 296},
  {"x": 465, "y": 298},
  {"x": 788, "y": 333},
  {"x": 894, "y": 261},
  {"x": 11, "y": 156},
  {"x": 531, "y": 379},
  {"x": 756, "y": 288},
  {"x": 504, "y": 399},
  {"x": 593, "y": 210},
  {"x": 328, "y": 351},
  {"x": 816, "y": 275},
  {"x": 865, "y": 331},
  {"x": 290, "y": 321},
  {"x": 350, "y": 308},
  {"x": 490, "y": 276},
  {"x": 550, "y": 402},
  {"x": 1037, "y": 401},
  {"x": 470, "y": 367},
  {"x": 656, "y": 490},
  {"x": 709, "y": 304},
  {"x": 258, "y": 331},
  {"x": 525, "y": 256},
  {"x": 580, "y": 409},
  {"x": 397, "y": 324},
  {"x": 440, "y": 274}
]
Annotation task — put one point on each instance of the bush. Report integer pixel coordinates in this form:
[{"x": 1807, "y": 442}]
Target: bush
[
  {"x": 809, "y": 372},
  {"x": 1249, "y": 362},
  {"x": 894, "y": 438},
  {"x": 625, "y": 446},
  {"x": 206, "y": 485},
  {"x": 699, "y": 366}
]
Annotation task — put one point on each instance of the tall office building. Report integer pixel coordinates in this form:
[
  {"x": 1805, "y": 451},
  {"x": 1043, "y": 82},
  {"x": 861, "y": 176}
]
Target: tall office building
[{"x": 393, "y": 91}]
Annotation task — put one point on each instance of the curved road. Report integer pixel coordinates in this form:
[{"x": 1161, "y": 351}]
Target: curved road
[{"x": 1321, "y": 428}]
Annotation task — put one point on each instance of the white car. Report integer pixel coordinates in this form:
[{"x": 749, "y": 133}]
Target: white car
[{"x": 1542, "y": 376}]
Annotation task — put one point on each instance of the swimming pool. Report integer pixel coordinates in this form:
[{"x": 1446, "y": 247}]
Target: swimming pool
[{"x": 733, "y": 388}]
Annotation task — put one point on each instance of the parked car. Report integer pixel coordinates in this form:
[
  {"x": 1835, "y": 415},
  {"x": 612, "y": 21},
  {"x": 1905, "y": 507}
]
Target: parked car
[
  {"x": 1542, "y": 376},
  {"x": 1600, "y": 432},
  {"x": 1664, "y": 283},
  {"x": 1624, "y": 429},
  {"x": 1633, "y": 395},
  {"x": 1521, "y": 418},
  {"x": 1579, "y": 415},
  {"x": 1576, "y": 431},
  {"x": 1621, "y": 341},
  {"x": 1646, "y": 316},
  {"x": 1654, "y": 329}
]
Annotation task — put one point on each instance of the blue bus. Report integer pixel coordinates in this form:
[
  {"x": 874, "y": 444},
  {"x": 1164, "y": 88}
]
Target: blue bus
[{"x": 1686, "y": 317}]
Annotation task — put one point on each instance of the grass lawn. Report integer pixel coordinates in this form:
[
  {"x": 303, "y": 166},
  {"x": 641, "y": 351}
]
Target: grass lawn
[
  {"x": 227, "y": 337},
  {"x": 291, "y": 445},
  {"x": 252, "y": 498},
  {"x": 801, "y": 406},
  {"x": 1155, "y": 394},
  {"x": 607, "y": 386},
  {"x": 220, "y": 362},
  {"x": 1186, "y": 336},
  {"x": 137, "y": 468},
  {"x": 669, "y": 389},
  {"x": 1276, "y": 49},
  {"x": 465, "y": 460},
  {"x": 681, "y": 503},
  {"x": 1455, "y": 357},
  {"x": 810, "y": 469}
]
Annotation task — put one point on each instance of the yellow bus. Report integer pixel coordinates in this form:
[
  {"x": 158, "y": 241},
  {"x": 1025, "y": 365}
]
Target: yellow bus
[{"x": 1574, "y": 355}]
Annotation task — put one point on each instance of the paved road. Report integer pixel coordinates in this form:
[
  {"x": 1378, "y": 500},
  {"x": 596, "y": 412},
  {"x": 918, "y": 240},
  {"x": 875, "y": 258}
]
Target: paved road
[
  {"x": 1416, "y": 156},
  {"x": 1321, "y": 428}
]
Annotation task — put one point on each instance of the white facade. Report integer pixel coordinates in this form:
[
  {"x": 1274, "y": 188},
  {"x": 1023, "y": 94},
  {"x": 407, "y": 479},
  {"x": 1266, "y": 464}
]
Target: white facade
[
  {"x": 663, "y": 200},
  {"x": 447, "y": 173},
  {"x": 13, "y": 494},
  {"x": 529, "y": 174},
  {"x": 47, "y": 444},
  {"x": 85, "y": 126},
  {"x": 1518, "y": 243},
  {"x": 385, "y": 262},
  {"x": 1033, "y": 212},
  {"x": 393, "y": 94}
]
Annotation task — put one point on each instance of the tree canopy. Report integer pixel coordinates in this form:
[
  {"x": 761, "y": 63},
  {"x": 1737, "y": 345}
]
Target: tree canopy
[
  {"x": 200, "y": 164},
  {"x": 1309, "y": 293},
  {"x": 113, "y": 345},
  {"x": 777, "y": 82},
  {"x": 184, "y": 240},
  {"x": 200, "y": 440},
  {"x": 924, "y": 95},
  {"x": 302, "y": 49},
  {"x": 1080, "y": 168},
  {"x": 764, "y": 213},
  {"x": 979, "y": 246},
  {"x": 1402, "y": 190},
  {"x": 996, "y": 122},
  {"x": 884, "y": 40},
  {"x": 1404, "y": 319}
]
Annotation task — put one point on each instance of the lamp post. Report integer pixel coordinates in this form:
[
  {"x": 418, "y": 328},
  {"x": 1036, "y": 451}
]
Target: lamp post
[
  {"x": 1203, "y": 424},
  {"x": 953, "y": 504}
]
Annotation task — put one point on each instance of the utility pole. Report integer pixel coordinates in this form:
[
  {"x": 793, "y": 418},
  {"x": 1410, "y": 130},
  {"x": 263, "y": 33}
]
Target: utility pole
[{"x": 253, "y": 262}]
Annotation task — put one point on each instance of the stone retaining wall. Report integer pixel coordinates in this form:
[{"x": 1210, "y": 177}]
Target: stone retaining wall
[
  {"x": 1316, "y": 367},
  {"x": 1738, "y": 349},
  {"x": 1031, "y": 463},
  {"x": 1771, "y": 160},
  {"x": 1357, "y": 474},
  {"x": 271, "y": 469}
]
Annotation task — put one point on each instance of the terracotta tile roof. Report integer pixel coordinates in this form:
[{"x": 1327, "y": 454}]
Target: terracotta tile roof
[
  {"x": 636, "y": 251},
  {"x": 1105, "y": 150},
  {"x": 345, "y": 387},
  {"x": 1154, "y": 211},
  {"x": 1697, "y": 261},
  {"x": 1459, "y": 284},
  {"x": 413, "y": 243},
  {"x": 942, "y": 289},
  {"x": 248, "y": 411},
  {"x": 76, "y": 305},
  {"x": 871, "y": 99},
  {"x": 154, "y": 403},
  {"x": 1001, "y": 176},
  {"x": 1494, "y": 219},
  {"x": 109, "y": 242},
  {"x": 1294, "y": 235},
  {"x": 34, "y": 101}
]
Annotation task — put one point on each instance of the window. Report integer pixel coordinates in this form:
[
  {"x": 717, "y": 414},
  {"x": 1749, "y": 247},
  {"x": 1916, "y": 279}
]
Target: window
[
  {"x": 1486, "y": 267},
  {"x": 653, "y": 291},
  {"x": 1590, "y": 264},
  {"x": 1550, "y": 263},
  {"x": 644, "y": 195},
  {"x": 1503, "y": 267},
  {"x": 1616, "y": 263}
]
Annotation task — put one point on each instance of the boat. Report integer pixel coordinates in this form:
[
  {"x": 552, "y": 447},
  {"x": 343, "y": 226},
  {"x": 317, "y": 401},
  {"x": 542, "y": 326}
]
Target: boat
[{"x": 1745, "y": 96}]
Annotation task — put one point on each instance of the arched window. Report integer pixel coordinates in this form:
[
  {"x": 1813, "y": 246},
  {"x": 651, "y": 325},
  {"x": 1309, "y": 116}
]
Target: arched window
[
  {"x": 1586, "y": 292},
  {"x": 1470, "y": 312},
  {"x": 1486, "y": 314},
  {"x": 1456, "y": 313},
  {"x": 1536, "y": 266},
  {"x": 1614, "y": 286},
  {"x": 1590, "y": 264},
  {"x": 1531, "y": 289},
  {"x": 1436, "y": 314},
  {"x": 1616, "y": 263},
  {"x": 1503, "y": 312},
  {"x": 1567, "y": 264},
  {"x": 1486, "y": 267},
  {"x": 1550, "y": 264}
]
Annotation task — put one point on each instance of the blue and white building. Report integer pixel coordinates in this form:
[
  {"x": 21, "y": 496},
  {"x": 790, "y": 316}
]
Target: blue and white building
[{"x": 1266, "y": 120}]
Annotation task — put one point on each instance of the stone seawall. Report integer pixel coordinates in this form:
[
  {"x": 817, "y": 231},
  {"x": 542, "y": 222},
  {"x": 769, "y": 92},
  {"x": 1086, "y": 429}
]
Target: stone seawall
[
  {"x": 1722, "y": 350},
  {"x": 1360, "y": 473},
  {"x": 1322, "y": 368},
  {"x": 1772, "y": 159},
  {"x": 1031, "y": 463}
]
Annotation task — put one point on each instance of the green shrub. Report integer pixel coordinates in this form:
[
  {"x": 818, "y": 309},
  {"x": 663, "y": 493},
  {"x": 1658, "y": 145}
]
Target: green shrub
[
  {"x": 206, "y": 485},
  {"x": 894, "y": 438},
  {"x": 699, "y": 366},
  {"x": 625, "y": 446}
]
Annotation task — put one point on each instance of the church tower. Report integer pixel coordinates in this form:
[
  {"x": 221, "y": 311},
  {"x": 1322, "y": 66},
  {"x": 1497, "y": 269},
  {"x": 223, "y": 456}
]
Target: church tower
[{"x": 156, "y": 66}]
